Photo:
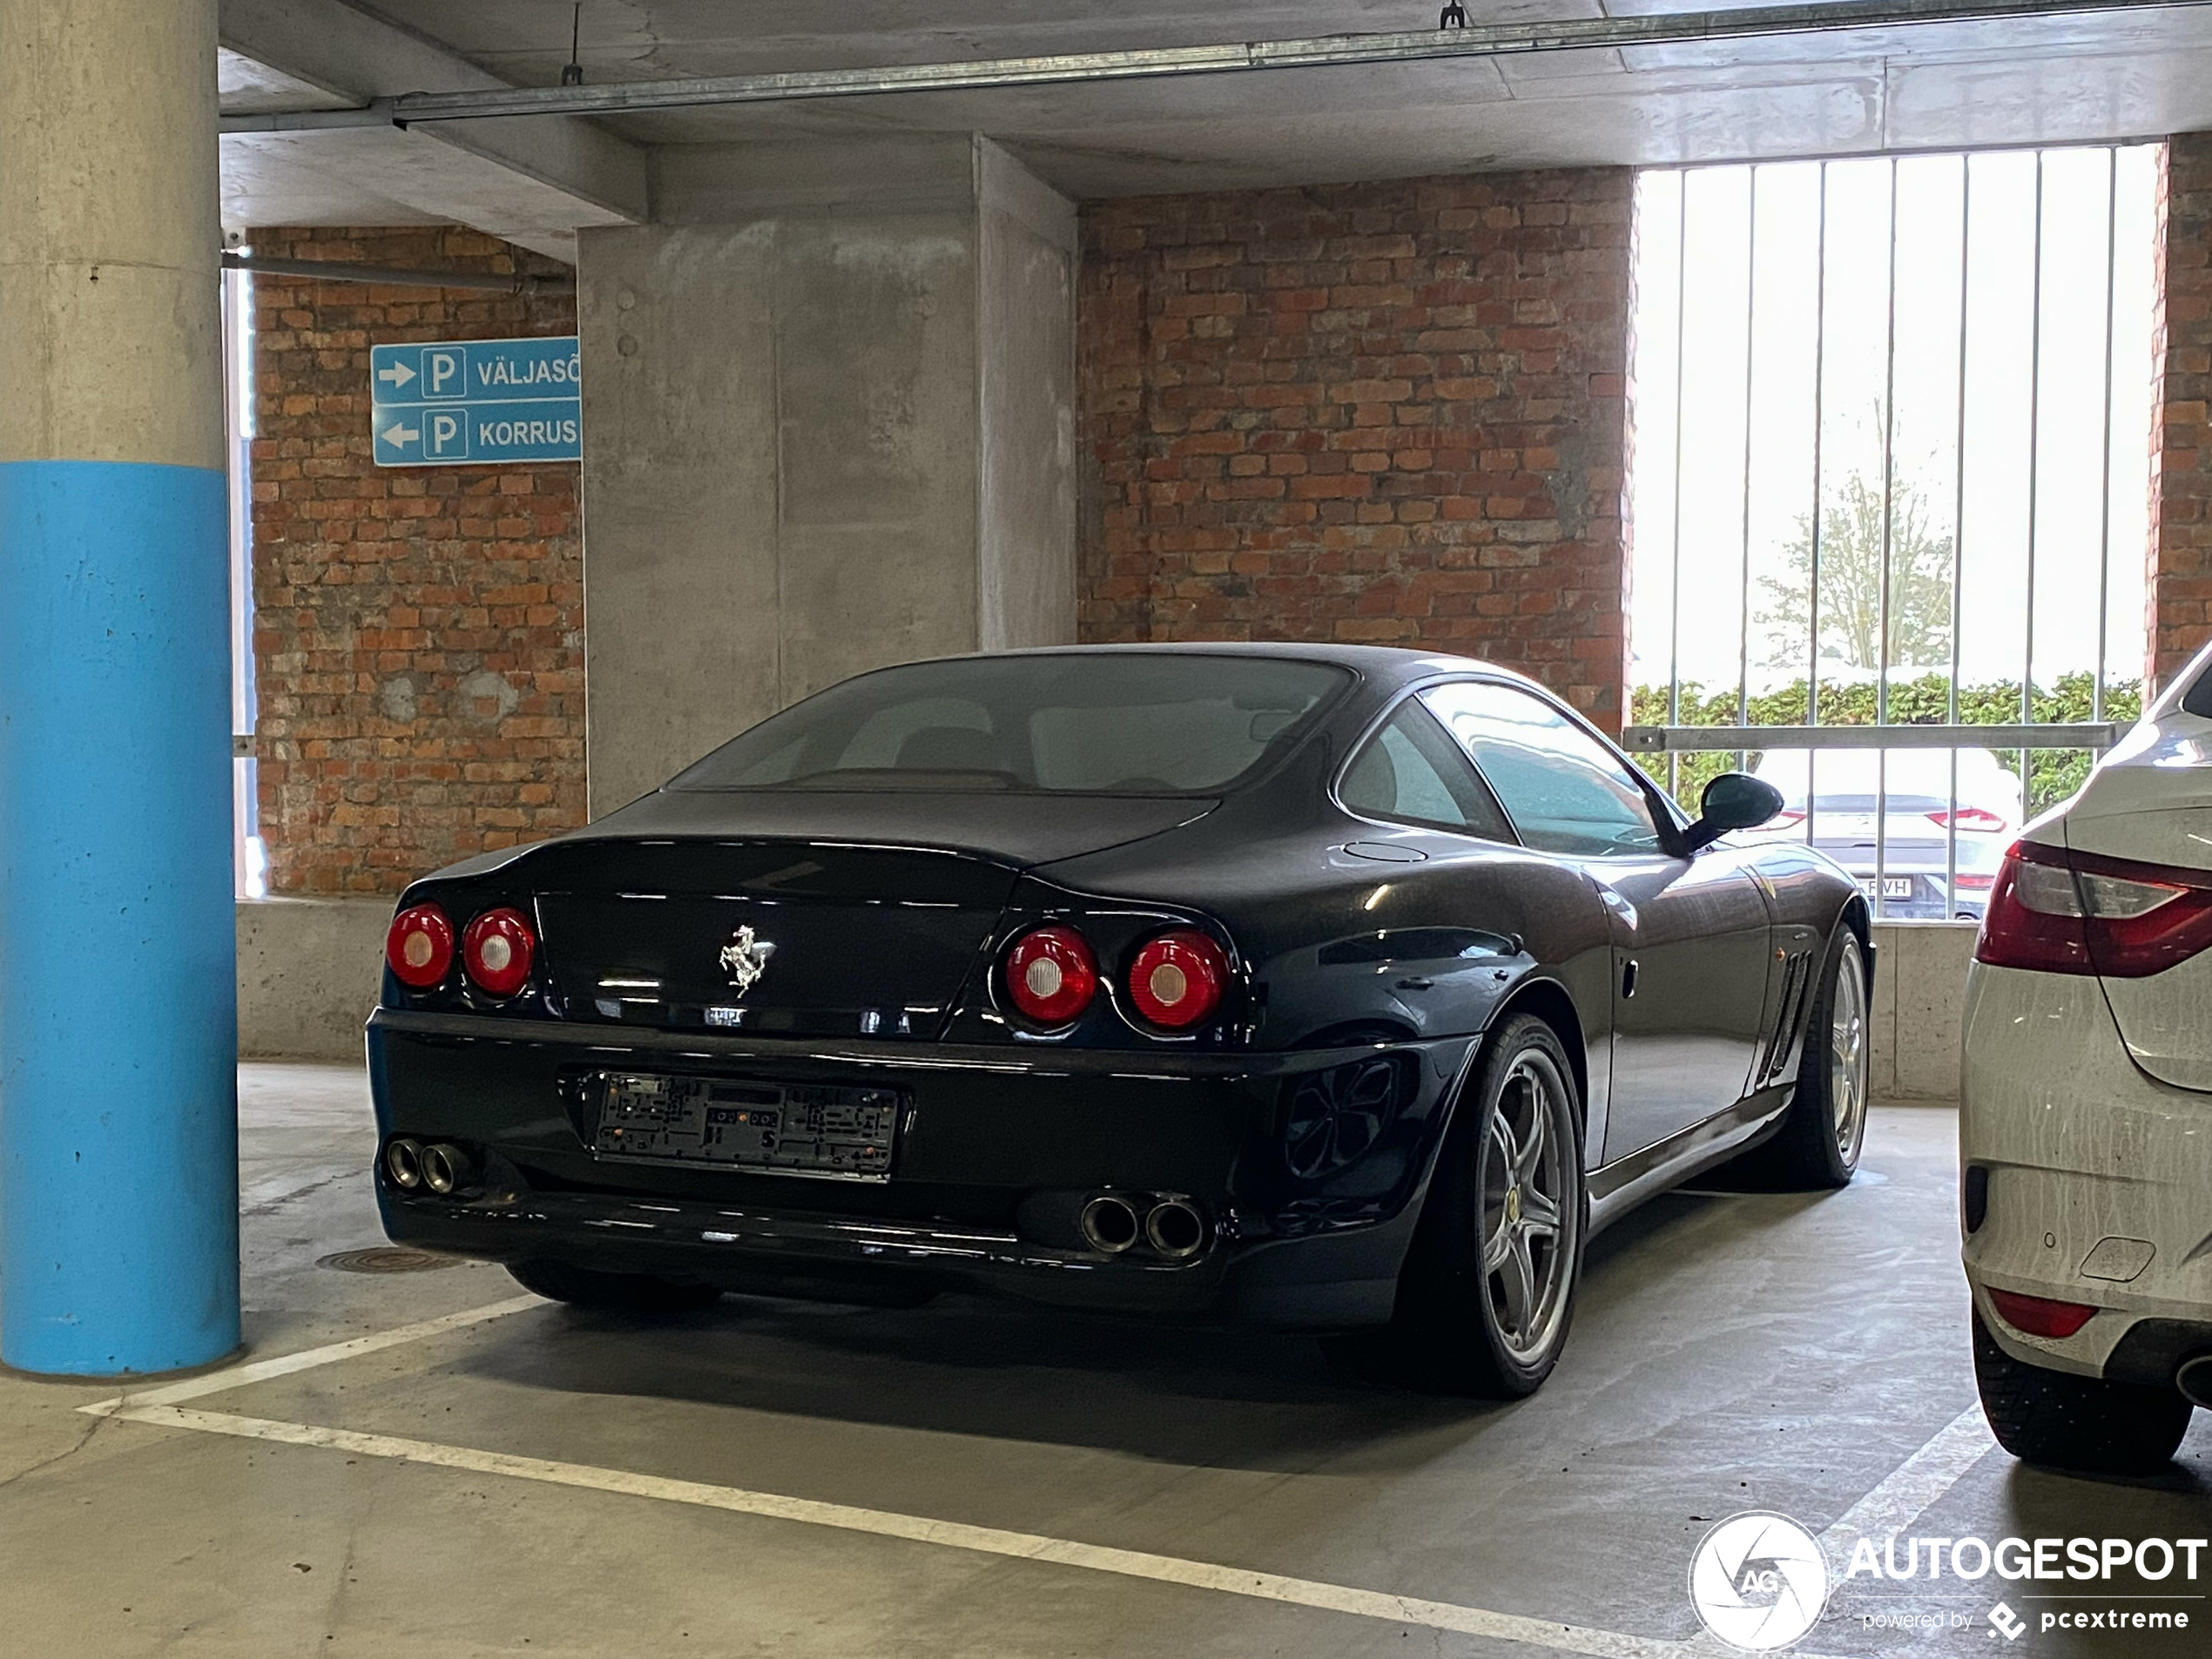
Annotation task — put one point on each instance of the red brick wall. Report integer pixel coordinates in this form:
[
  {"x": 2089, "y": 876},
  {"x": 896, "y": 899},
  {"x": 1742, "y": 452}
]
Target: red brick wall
[
  {"x": 418, "y": 633},
  {"x": 2180, "y": 588},
  {"x": 1393, "y": 411}
]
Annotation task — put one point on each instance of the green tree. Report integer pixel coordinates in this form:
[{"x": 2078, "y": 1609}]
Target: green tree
[{"x": 1852, "y": 548}]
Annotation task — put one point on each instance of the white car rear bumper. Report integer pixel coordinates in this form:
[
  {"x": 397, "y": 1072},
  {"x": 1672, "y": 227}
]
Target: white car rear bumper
[{"x": 2089, "y": 1162}]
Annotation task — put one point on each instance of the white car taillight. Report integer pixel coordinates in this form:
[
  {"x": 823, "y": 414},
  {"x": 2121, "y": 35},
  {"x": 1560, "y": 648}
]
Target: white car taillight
[{"x": 2062, "y": 913}]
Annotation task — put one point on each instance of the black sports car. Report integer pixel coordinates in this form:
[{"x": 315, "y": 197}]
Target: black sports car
[{"x": 1329, "y": 987}]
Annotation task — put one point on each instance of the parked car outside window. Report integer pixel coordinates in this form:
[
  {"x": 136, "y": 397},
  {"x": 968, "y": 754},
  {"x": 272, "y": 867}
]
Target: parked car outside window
[{"x": 1900, "y": 808}]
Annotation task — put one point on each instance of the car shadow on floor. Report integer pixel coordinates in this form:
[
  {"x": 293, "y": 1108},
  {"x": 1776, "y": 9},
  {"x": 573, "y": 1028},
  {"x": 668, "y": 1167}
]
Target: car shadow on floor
[
  {"x": 2062, "y": 1503},
  {"x": 964, "y": 1364}
]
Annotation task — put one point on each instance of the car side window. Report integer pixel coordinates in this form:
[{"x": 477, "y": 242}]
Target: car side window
[
  {"x": 1563, "y": 789},
  {"x": 1412, "y": 772}
]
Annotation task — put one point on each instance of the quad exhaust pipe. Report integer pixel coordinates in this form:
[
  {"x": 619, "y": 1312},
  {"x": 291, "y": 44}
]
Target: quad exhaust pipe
[
  {"x": 439, "y": 1167},
  {"x": 1109, "y": 1223},
  {"x": 1112, "y": 1224},
  {"x": 2194, "y": 1380},
  {"x": 1175, "y": 1229},
  {"x": 403, "y": 1164}
]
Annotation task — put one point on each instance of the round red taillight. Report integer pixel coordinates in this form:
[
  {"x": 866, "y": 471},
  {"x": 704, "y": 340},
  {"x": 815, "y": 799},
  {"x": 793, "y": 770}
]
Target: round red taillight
[
  {"x": 497, "y": 949},
  {"x": 419, "y": 949},
  {"x": 1178, "y": 979},
  {"x": 1051, "y": 975}
]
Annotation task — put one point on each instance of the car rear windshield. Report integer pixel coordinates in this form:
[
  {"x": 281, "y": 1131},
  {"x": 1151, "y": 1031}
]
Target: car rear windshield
[{"x": 1139, "y": 724}]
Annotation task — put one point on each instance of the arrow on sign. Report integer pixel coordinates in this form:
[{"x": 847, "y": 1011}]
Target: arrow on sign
[
  {"x": 398, "y": 373},
  {"x": 396, "y": 434}
]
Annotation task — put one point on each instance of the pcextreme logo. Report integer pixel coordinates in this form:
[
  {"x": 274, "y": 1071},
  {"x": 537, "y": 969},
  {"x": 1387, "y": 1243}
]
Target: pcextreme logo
[{"x": 1758, "y": 1582}]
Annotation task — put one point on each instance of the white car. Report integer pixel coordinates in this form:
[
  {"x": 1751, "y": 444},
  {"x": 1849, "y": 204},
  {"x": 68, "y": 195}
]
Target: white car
[
  {"x": 2086, "y": 1108},
  {"x": 1932, "y": 854}
]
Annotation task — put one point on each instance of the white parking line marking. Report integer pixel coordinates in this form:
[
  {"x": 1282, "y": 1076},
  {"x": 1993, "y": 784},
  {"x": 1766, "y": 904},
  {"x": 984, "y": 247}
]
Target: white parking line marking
[
  {"x": 989, "y": 1540},
  {"x": 1913, "y": 1488},
  {"x": 308, "y": 1358}
]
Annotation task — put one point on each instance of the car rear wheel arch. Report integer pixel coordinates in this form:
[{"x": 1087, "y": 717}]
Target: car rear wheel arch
[
  {"x": 1548, "y": 1000},
  {"x": 1860, "y": 920},
  {"x": 1542, "y": 999}
]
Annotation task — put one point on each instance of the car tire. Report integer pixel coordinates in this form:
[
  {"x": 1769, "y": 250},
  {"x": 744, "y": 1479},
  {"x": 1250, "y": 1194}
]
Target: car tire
[
  {"x": 1823, "y": 1130},
  {"x": 1487, "y": 1291},
  {"x": 589, "y": 1287},
  {"x": 2085, "y": 1424}
]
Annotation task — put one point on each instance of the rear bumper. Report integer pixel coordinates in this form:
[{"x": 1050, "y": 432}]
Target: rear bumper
[
  {"x": 2098, "y": 1180},
  {"x": 997, "y": 1150}
]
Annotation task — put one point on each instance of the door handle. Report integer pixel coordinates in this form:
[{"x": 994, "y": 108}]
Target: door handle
[{"x": 1628, "y": 979}]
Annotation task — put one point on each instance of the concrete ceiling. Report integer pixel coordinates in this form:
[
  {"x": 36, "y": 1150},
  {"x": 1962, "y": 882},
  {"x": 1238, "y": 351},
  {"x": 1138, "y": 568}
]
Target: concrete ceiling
[
  {"x": 279, "y": 180},
  {"x": 533, "y": 181},
  {"x": 2131, "y": 75}
]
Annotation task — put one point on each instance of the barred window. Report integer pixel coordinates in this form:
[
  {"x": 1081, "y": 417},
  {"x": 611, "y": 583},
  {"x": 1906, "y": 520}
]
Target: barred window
[{"x": 1893, "y": 446}]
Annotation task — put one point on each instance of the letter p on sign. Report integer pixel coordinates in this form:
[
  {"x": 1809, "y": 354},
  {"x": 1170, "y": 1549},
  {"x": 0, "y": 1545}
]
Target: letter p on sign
[
  {"x": 442, "y": 374},
  {"x": 448, "y": 436}
]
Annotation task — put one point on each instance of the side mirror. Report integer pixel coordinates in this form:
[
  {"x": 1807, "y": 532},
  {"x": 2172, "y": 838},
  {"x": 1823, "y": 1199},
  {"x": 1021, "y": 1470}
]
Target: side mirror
[{"x": 1734, "y": 800}]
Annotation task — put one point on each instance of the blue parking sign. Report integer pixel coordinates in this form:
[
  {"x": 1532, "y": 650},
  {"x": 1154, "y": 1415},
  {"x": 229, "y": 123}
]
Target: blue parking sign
[{"x": 478, "y": 401}]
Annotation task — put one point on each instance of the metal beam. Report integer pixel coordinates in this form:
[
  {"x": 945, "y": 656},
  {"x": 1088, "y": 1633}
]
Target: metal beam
[
  {"x": 395, "y": 276},
  {"x": 1656, "y": 739},
  {"x": 1479, "y": 41}
]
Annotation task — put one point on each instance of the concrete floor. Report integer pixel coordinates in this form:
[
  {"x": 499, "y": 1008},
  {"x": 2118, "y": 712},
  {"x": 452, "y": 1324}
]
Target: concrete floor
[{"x": 1730, "y": 1351}]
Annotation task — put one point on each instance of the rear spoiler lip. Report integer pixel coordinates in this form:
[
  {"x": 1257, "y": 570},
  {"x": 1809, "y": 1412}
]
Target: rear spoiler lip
[{"x": 489, "y": 866}]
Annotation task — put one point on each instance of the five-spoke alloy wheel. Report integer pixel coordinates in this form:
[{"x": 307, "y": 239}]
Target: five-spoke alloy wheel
[
  {"x": 1488, "y": 1288},
  {"x": 1529, "y": 1233}
]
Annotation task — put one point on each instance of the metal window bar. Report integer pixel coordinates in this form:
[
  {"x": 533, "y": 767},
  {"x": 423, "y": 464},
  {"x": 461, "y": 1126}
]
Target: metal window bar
[
  {"x": 1674, "y": 547},
  {"x": 1884, "y": 645},
  {"x": 2050, "y": 734},
  {"x": 1750, "y": 360},
  {"x": 2035, "y": 466},
  {"x": 2104, "y": 501},
  {"x": 1958, "y": 515},
  {"x": 1819, "y": 517}
]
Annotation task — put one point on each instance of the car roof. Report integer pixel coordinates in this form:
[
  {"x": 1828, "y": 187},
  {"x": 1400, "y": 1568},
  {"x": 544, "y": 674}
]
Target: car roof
[{"x": 1390, "y": 664}]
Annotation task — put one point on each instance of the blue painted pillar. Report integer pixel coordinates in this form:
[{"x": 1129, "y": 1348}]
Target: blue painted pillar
[{"x": 119, "y": 1120}]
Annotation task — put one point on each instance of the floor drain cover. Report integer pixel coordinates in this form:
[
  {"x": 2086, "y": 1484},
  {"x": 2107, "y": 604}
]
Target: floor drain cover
[{"x": 387, "y": 1259}]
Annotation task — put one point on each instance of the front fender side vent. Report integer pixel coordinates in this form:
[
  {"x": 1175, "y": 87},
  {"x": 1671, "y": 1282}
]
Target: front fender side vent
[{"x": 1796, "y": 973}]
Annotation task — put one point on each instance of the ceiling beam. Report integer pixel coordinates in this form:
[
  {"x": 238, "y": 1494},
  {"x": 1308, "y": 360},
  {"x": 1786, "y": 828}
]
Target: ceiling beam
[
  {"x": 357, "y": 58},
  {"x": 1474, "y": 41}
]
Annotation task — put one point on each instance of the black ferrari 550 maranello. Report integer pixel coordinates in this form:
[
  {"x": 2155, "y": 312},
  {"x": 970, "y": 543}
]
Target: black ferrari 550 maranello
[{"x": 1332, "y": 988}]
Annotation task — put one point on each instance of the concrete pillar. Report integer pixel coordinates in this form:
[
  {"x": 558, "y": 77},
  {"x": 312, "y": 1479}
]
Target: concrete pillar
[
  {"x": 118, "y": 1135},
  {"x": 828, "y": 425}
]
